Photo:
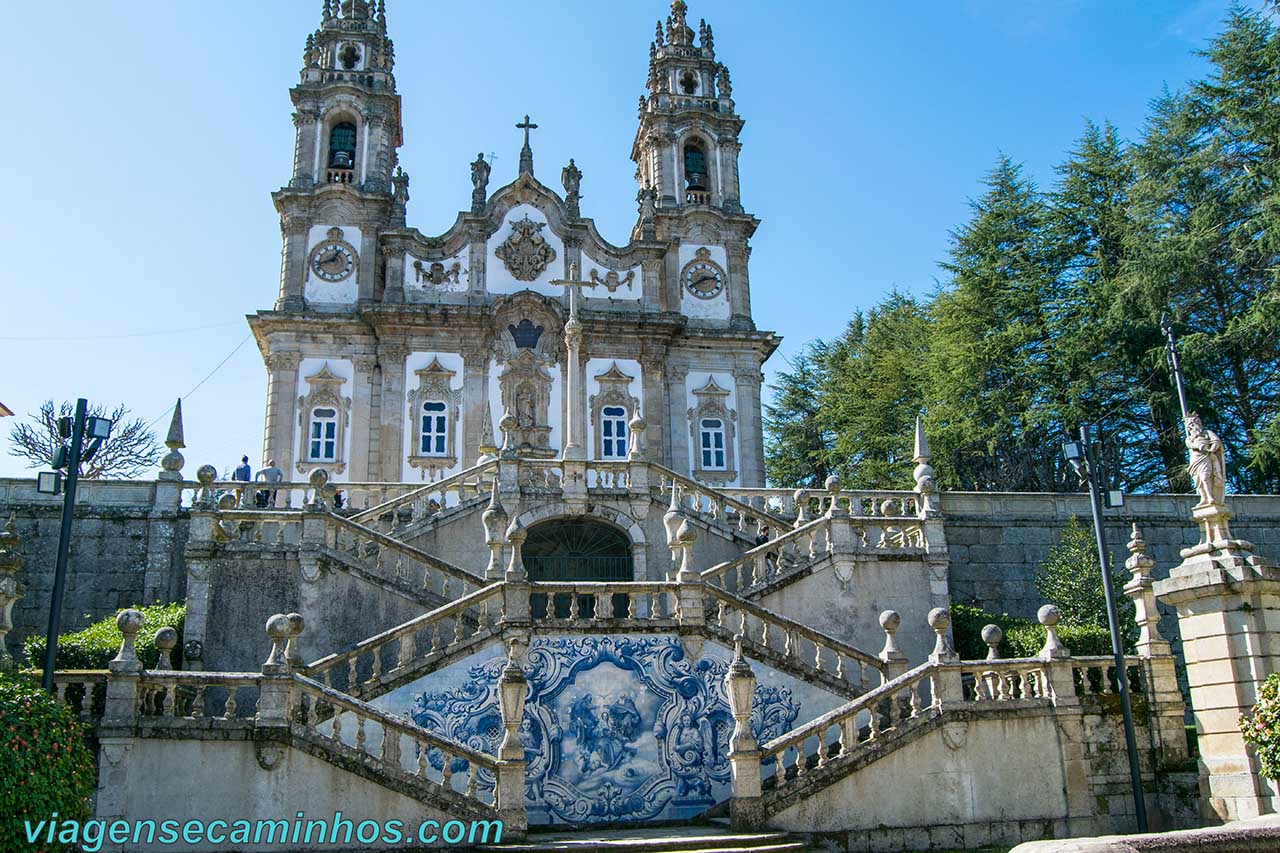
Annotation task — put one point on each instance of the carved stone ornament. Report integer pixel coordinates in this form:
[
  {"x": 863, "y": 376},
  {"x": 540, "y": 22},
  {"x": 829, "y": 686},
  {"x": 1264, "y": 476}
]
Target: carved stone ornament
[
  {"x": 612, "y": 281},
  {"x": 526, "y": 253},
  {"x": 525, "y": 384},
  {"x": 436, "y": 273},
  {"x": 435, "y": 388}
]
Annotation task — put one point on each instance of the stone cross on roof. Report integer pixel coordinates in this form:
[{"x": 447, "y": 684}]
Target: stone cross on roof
[{"x": 526, "y": 153}]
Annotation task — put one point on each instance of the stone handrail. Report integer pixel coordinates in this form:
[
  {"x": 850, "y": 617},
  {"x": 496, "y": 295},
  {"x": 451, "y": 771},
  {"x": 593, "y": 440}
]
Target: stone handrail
[
  {"x": 361, "y": 669},
  {"x": 594, "y": 604},
  {"x": 717, "y": 500},
  {"x": 406, "y": 563},
  {"x": 754, "y": 567},
  {"x": 867, "y": 718},
  {"x": 417, "y": 498},
  {"x": 320, "y": 710},
  {"x": 814, "y": 651},
  {"x": 196, "y": 695},
  {"x": 608, "y": 474}
]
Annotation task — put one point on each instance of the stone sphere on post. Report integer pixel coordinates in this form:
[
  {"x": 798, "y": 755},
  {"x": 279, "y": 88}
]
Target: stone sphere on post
[
  {"x": 1049, "y": 616},
  {"x": 130, "y": 623},
  {"x": 278, "y": 630},
  {"x": 992, "y": 635},
  {"x": 833, "y": 495},
  {"x": 205, "y": 476},
  {"x": 890, "y": 621},
  {"x": 319, "y": 480},
  {"x": 291, "y": 651},
  {"x": 800, "y": 500},
  {"x": 165, "y": 640},
  {"x": 940, "y": 622}
]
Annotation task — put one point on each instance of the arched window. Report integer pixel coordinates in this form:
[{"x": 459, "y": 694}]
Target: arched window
[
  {"x": 695, "y": 167},
  {"x": 323, "y": 446},
  {"x": 435, "y": 429},
  {"x": 342, "y": 146},
  {"x": 613, "y": 432},
  {"x": 711, "y": 443}
]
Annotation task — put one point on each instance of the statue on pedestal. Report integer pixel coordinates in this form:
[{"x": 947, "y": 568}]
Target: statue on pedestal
[{"x": 1208, "y": 466}]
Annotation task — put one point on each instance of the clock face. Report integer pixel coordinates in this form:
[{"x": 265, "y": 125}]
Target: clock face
[
  {"x": 332, "y": 261},
  {"x": 704, "y": 279}
]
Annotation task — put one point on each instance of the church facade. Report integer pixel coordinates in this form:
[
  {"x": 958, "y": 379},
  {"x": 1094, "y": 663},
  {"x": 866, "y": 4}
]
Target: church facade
[{"x": 394, "y": 356}]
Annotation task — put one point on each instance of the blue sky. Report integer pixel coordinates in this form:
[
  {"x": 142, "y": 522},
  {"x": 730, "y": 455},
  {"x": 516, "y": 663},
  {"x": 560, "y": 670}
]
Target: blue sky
[{"x": 145, "y": 138}]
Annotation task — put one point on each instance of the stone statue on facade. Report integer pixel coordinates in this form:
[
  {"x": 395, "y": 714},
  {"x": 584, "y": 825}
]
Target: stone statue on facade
[
  {"x": 1208, "y": 467},
  {"x": 479, "y": 181},
  {"x": 571, "y": 177}
]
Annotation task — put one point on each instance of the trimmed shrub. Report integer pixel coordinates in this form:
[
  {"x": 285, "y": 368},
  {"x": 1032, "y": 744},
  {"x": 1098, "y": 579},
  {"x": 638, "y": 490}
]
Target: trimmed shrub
[
  {"x": 1261, "y": 729},
  {"x": 1026, "y": 640},
  {"x": 967, "y": 622},
  {"x": 44, "y": 762},
  {"x": 95, "y": 646}
]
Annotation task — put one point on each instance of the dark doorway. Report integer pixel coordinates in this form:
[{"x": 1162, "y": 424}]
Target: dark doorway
[{"x": 576, "y": 550}]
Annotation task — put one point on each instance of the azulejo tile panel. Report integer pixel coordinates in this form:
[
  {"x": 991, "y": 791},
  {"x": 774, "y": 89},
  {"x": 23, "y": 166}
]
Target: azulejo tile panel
[{"x": 616, "y": 728}]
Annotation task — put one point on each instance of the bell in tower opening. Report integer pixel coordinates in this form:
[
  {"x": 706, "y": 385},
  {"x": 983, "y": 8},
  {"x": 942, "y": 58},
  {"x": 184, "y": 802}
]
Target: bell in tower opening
[{"x": 695, "y": 167}]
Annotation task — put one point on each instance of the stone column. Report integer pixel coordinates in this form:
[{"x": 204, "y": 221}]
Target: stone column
[
  {"x": 651, "y": 284},
  {"x": 1228, "y": 604},
  {"x": 282, "y": 413},
  {"x": 739, "y": 286},
  {"x": 509, "y": 798},
  {"x": 676, "y": 419},
  {"x": 293, "y": 263},
  {"x": 367, "y": 281},
  {"x": 393, "y": 273},
  {"x": 363, "y": 465},
  {"x": 391, "y": 358},
  {"x": 750, "y": 439},
  {"x": 119, "y": 717},
  {"x": 475, "y": 394},
  {"x": 304, "y": 145},
  {"x": 729, "y": 149},
  {"x": 653, "y": 404}
]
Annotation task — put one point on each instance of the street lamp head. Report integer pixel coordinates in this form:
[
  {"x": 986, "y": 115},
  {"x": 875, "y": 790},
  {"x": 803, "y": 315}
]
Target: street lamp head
[
  {"x": 1073, "y": 451},
  {"x": 99, "y": 428},
  {"x": 60, "y": 457},
  {"x": 64, "y": 427},
  {"x": 49, "y": 483}
]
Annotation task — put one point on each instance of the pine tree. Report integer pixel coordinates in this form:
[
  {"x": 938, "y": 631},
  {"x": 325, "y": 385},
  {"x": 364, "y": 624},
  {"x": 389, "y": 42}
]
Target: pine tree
[
  {"x": 797, "y": 445},
  {"x": 990, "y": 376}
]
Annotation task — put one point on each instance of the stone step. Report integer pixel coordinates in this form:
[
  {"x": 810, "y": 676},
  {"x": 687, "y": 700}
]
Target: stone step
[{"x": 685, "y": 839}]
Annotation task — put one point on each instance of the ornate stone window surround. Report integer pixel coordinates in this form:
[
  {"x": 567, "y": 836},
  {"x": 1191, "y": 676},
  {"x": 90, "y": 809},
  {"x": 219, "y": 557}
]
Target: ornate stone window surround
[
  {"x": 713, "y": 405},
  {"x": 434, "y": 404},
  {"x": 315, "y": 422},
  {"x": 613, "y": 394}
]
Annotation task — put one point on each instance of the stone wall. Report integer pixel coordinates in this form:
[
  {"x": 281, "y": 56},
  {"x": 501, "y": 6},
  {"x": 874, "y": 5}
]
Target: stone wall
[
  {"x": 996, "y": 540},
  {"x": 126, "y": 550}
]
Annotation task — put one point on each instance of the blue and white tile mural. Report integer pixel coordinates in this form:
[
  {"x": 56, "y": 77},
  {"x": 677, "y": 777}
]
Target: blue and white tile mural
[{"x": 616, "y": 728}]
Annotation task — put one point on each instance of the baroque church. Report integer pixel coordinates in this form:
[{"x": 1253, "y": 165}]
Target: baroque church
[
  {"x": 395, "y": 355},
  {"x": 556, "y": 592}
]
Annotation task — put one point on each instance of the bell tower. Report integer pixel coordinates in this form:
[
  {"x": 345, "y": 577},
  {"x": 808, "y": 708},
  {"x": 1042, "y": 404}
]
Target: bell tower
[
  {"x": 347, "y": 132},
  {"x": 686, "y": 146}
]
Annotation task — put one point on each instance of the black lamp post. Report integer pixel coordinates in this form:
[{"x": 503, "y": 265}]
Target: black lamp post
[
  {"x": 1080, "y": 455},
  {"x": 51, "y": 482}
]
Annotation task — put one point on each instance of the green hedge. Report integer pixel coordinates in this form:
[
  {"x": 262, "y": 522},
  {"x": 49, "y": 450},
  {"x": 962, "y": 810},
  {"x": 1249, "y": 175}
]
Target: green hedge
[
  {"x": 44, "y": 763},
  {"x": 1023, "y": 638},
  {"x": 93, "y": 647}
]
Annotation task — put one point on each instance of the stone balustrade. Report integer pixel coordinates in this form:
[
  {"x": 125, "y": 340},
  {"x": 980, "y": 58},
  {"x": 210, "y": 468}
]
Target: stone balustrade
[
  {"x": 82, "y": 690},
  {"x": 789, "y": 758},
  {"x": 419, "y": 502},
  {"x": 775, "y": 638},
  {"x": 771, "y": 560},
  {"x": 715, "y": 504},
  {"x": 352, "y": 727},
  {"x": 383, "y": 658},
  {"x": 391, "y": 559},
  {"x": 292, "y": 494},
  {"x": 597, "y": 604},
  {"x": 608, "y": 475},
  {"x": 198, "y": 695},
  {"x": 809, "y": 503},
  {"x": 279, "y": 528}
]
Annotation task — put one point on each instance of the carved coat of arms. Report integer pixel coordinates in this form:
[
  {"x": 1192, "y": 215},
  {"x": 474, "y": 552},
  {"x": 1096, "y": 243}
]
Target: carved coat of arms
[{"x": 526, "y": 252}]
